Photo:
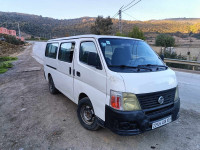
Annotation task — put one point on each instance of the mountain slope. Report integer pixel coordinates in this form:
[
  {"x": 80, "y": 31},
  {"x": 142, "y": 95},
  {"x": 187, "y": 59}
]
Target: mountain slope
[{"x": 49, "y": 27}]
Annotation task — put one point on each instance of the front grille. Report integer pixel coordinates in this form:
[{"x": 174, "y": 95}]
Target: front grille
[
  {"x": 159, "y": 110},
  {"x": 150, "y": 100}
]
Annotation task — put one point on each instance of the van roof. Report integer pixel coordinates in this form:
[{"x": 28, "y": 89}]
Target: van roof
[{"x": 89, "y": 36}]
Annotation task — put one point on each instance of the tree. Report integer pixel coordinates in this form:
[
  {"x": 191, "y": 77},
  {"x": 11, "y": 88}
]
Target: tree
[
  {"x": 136, "y": 33},
  {"x": 102, "y": 26},
  {"x": 165, "y": 40},
  {"x": 120, "y": 34}
]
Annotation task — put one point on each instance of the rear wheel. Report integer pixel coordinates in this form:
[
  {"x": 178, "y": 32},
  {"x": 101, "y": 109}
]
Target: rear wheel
[
  {"x": 86, "y": 115},
  {"x": 52, "y": 88}
]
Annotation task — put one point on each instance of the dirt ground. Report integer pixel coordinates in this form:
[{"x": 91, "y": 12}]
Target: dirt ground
[
  {"x": 31, "y": 118},
  {"x": 7, "y": 49}
]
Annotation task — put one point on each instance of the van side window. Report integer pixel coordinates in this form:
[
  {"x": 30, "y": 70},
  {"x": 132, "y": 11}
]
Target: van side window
[
  {"x": 66, "y": 52},
  {"x": 88, "y": 54},
  {"x": 51, "y": 50}
]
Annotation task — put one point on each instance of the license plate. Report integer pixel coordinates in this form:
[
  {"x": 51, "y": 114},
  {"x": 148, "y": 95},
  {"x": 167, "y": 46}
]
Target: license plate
[{"x": 162, "y": 122}]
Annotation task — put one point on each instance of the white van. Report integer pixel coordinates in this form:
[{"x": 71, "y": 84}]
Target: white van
[{"x": 119, "y": 83}]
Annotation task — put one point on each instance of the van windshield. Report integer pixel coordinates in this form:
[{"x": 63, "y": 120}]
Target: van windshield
[{"x": 128, "y": 55}]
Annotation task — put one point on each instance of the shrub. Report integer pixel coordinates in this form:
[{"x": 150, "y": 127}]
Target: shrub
[
  {"x": 6, "y": 58},
  {"x": 120, "y": 34},
  {"x": 5, "y": 63},
  {"x": 136, "y": 33},
  {"x": 11, "y": 39},
  {"x": 165, "y": 40}
]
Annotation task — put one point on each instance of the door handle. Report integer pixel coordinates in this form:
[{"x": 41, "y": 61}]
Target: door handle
[
  {"x": 70, "y": 70},
  {"x": 73, "y": 72},
  {"x": 78, "y": 73}
]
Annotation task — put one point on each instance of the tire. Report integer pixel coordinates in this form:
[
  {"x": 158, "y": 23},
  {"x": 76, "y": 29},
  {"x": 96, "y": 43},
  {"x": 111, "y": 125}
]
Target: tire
[
  {"x": 86, "y": 115},
  {"x": 52, "y": 88}
]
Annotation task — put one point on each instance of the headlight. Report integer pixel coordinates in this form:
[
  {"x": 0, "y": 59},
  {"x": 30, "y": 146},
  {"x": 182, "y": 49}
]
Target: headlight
[
  {"x": 130, "y": 102},
  {"x": 176, "y": 94},
  {"x": 124, "y": 101}
]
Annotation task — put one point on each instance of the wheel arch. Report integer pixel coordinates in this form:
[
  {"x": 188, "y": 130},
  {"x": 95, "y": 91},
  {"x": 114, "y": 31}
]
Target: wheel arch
[
  {"x": 49, "y": 75},
  {"x": 82, "y": 95}
]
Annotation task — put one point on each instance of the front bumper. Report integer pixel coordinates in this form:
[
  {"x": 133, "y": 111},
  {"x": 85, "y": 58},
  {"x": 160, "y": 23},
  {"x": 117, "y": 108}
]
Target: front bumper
[{"x": 136, "y": 122}]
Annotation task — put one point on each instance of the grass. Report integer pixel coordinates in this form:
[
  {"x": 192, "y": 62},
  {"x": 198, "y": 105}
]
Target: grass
[{"x": 5, "y": 63}]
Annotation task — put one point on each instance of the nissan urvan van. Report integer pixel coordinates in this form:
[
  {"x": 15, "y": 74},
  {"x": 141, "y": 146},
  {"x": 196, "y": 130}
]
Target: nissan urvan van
[{"x": 117, "y": 82}]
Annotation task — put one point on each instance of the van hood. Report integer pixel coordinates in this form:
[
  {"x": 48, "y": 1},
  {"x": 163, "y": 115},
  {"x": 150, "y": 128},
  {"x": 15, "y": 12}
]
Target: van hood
[{"x": 148, "y": 82}]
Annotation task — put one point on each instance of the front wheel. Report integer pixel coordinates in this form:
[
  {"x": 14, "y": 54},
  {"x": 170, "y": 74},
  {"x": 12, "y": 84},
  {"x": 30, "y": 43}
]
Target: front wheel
[{"x": 86, "y": 115}]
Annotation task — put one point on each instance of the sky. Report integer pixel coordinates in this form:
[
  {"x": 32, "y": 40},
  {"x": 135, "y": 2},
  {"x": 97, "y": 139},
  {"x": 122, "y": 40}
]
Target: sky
[{"x": 69, "y": 9}]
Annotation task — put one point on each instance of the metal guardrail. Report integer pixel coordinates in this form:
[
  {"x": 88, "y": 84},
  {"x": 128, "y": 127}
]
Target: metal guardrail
[{"x": 184, "y": 62}]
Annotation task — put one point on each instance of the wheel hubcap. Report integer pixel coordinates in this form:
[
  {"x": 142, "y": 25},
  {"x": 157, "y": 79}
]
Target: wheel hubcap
[{"x": 87, "y": 114}]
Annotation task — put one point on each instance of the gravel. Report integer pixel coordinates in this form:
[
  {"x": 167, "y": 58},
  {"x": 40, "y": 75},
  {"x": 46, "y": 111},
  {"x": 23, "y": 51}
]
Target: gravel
[{"x": 31, "y": 118}]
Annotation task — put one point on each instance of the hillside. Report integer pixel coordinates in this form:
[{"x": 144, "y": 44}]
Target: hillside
[{"x": 49, "y": 27}]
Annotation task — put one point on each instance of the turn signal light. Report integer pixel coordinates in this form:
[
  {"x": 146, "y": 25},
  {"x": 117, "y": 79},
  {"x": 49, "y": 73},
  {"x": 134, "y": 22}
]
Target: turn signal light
[{"x": 115, "y": 102}]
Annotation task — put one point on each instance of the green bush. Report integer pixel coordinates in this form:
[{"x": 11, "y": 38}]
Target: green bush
[
  {"x": 173, "y": 55},
  {"x": 120, "y": 34},
  {"x": 3, "y": 70},
  {"x": 6, "y": 58},
  {"x": 5, "y": 63},
  {"x": 136, "y": 33},
  {"x": 165, "y": 40},
  {"x": 11, "y": 39}
]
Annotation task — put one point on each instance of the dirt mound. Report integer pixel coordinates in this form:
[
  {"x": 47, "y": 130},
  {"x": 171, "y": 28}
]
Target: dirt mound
[{"x": 7, "y": 49}]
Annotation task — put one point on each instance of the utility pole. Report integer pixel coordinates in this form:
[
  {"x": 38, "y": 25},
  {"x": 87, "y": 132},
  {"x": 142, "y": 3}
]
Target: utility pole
[
  {"x": 19, "y": 30},
  {"x": 122, "y": 10},
  {"x": 120, "y": 21}
]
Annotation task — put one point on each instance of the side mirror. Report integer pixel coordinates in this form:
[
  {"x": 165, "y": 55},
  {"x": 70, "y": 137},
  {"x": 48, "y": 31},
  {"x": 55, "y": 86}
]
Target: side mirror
[
  {"x": 162, "y": 57},
  {"x": 98, "y": 64},
  {"x": 94, "y": 60}
]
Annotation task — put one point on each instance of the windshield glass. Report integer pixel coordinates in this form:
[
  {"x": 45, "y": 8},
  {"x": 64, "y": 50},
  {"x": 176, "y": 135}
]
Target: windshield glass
[{"x": 128, "y": 53}]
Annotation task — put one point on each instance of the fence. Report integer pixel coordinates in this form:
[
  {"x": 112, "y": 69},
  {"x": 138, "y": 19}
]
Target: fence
[{"x": 184, "y": 62}]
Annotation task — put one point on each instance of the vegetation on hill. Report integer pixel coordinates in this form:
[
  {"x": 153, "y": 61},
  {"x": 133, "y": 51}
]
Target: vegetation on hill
[
  {"x": 11, "y": 39},
  {"x": 7, "y": 49},
  {"x": 45, "y": 27},
  {"x": 135, "y": 33},
  {"x": 102, "y": 26}
]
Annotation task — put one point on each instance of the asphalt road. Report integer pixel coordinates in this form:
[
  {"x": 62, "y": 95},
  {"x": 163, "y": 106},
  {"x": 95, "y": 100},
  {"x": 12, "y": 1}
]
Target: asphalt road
[{"x": 31, "y": 118}]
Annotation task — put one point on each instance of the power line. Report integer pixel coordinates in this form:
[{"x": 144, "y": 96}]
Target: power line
[
  {"x": 128, "y": 4},
  {"x": 131, "y": 6},
  {"x": 123, "y": 9},
  {"x": 115, "y": 15},
  {"x": 117, "y": 12},
  {"x": 131, "y": 16}
]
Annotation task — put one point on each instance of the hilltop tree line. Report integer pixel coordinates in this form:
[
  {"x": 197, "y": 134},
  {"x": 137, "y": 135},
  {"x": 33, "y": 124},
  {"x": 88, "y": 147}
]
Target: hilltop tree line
[{"x": 50, "y": 28}]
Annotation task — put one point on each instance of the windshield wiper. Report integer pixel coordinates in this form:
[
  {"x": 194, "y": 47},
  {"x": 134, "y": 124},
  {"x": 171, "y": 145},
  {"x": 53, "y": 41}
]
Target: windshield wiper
[
  {"x": 124, "y": 66},
  {"x": 151, "y": 65}
]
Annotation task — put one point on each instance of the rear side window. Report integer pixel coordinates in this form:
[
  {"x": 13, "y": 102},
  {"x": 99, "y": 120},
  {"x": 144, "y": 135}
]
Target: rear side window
[
  {"x": 66, "y": 52},
  {"x": 51, "y": 50},
  {"x": 88, "y": 54}
]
